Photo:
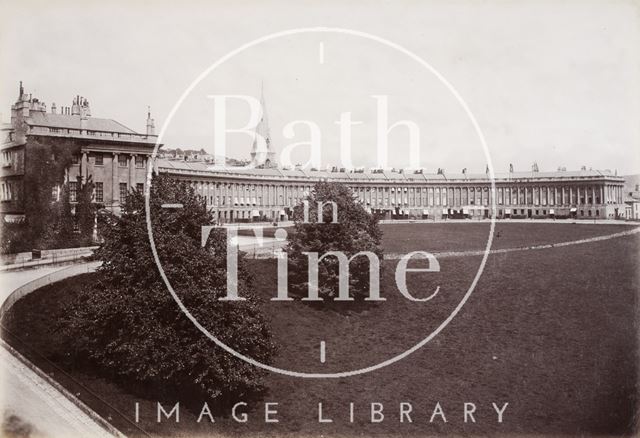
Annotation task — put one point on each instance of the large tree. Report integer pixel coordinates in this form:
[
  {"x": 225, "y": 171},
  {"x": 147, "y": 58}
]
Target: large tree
[
  {"x": 356, "y": 230},
  {"x": 129, "y": 325},
  {"x": 47, "y": 223},
  {"x": 85, "y": 210}
]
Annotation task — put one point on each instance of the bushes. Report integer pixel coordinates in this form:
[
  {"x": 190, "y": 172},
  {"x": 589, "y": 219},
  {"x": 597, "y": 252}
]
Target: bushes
[
  {"x": 50, "y": 224},
  {"x": 128, "y": 324},
  {"x": 62, "y": 228},
  {"x": 355, "y": 231}
]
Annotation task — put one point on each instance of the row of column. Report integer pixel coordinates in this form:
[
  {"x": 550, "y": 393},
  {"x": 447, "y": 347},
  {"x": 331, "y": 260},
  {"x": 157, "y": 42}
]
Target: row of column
[
  {"x": 224, "y": 194},
  {"x": 130, "y": 169},
  {"x": 248, "y": 194}
]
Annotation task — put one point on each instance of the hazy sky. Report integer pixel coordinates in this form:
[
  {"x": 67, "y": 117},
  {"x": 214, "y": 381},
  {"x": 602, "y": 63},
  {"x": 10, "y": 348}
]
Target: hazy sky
[{"x": 557, "y": 82}]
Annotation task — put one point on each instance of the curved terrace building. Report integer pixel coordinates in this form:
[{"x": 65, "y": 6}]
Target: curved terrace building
[
  {"x": 266, "y": 192},
  {"x": 118, "y": 158},
  {"x": 270, "y": 194}
]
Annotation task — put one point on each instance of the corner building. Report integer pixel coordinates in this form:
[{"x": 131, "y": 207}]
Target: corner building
[{"x": 113, "y": 155}]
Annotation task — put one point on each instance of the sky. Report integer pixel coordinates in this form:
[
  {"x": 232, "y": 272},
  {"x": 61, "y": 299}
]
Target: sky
[{"x": 552, "y": 82}]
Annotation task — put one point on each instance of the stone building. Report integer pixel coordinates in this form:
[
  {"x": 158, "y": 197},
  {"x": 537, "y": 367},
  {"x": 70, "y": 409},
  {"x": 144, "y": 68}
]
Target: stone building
[
  {"x": 117, "y": 159},
  {"x": 271, "y": 194},
  {"x": 266, "y": 192},
  {"x": 115, "y": 156}
]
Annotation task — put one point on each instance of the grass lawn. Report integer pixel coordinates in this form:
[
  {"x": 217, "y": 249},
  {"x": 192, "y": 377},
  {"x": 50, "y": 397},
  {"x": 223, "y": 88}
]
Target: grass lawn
[
  {"x": 440, "y": 236},
  {"x": 552, "y": 332}
]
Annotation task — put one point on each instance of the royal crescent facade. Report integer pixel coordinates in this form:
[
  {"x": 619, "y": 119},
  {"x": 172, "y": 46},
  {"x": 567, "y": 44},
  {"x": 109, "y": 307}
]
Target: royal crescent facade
[{"x": 118, "y": 159}]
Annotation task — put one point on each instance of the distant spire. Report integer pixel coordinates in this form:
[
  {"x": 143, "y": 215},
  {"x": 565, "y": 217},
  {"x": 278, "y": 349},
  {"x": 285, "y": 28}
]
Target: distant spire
[
  {"x": 21, "y": 90},
  {"x": 260, "y": 158}
]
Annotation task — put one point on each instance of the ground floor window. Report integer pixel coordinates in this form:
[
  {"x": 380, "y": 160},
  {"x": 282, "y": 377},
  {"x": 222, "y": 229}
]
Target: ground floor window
[
  {"x": 99, "y": 189},
  {"x": 123, "y": 191}
]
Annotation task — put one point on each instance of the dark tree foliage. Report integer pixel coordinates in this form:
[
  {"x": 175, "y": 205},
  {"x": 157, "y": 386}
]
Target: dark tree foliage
[
  {"x": 128, "y": 324},
  {"x": 43, "y": 227},
  {"x": 45, "y": 169},
  {"x": 355, "y": 231},
  {"x": 85, "y": 211},
  {"x": 61, "y": 219}
]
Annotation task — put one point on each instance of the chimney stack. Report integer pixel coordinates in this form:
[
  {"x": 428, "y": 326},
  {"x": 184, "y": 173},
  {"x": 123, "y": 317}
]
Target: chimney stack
[
  {"x": 54, "y": 110},
  {"x": 151, "y": 128}
]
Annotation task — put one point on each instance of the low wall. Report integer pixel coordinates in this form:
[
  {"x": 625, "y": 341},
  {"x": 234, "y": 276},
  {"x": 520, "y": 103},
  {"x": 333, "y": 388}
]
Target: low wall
[
  {"x": 26, "y": 289},
  {"x": 53, "y": 277},
  {"x": 48, "y": 256}
]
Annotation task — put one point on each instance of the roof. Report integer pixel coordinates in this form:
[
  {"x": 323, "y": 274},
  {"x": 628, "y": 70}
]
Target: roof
[
  {"x": 39, "y": 118},
  {"x": 198, "y": 166}
]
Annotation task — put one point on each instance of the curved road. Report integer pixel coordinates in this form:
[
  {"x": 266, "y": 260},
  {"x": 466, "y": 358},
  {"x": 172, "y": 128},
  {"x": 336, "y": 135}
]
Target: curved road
[{"x": 26, "y": 399}]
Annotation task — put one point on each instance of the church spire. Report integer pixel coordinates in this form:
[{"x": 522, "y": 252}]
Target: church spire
[{"x": 261, "y": 158}]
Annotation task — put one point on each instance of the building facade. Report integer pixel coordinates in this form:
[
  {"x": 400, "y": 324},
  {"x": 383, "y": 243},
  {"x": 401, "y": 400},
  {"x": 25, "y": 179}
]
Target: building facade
[
  {"x": 266, "y": 192},
  {"x": 115, "y": 157},
  {"x": 270, "y": 194}
]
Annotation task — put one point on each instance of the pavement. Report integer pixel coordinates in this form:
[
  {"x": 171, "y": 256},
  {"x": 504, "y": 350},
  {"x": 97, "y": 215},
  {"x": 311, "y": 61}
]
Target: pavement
[
  {"x": 27, "y": 401},
  {"x": 11, "y": 280}
]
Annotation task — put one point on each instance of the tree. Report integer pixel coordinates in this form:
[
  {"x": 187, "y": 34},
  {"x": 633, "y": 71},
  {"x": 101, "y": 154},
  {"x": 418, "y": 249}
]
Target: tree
[
  {"x": 59, "y": 231},
  {"x": 42, "y": 226},
  {"x": 48, "y": 162},
  {"x": 128, "y": 324},
  {"x": 355, "y": 231},
  {"x": 85, "y": 210}
]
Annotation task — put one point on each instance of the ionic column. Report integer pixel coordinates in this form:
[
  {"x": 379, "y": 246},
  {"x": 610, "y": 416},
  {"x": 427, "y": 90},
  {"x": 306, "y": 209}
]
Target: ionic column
[
  {"x": 115, "y": 187},
  {"x": 84, "y": 168},
  {"x": 132, "y": 171}
]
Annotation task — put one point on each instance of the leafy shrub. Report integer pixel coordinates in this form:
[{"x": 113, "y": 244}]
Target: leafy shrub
[
  {"x": 128, "y": 324},
  {"x": 355, "y": 231}
]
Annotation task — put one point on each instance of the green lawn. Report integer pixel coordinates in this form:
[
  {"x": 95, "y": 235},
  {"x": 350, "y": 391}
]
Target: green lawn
[
  {"x": 439, "y": 236},
  {"x": 553, "y": 332}
]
